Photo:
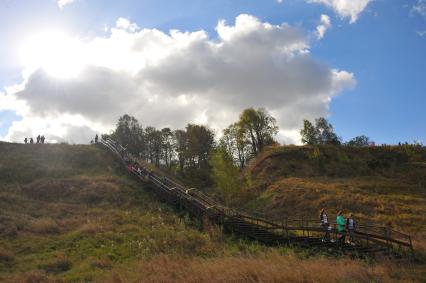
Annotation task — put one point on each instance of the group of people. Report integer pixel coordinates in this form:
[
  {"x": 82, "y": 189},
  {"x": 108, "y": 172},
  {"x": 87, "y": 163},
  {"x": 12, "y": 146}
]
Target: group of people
[
  {"x": 134, "y": 168},
  {"x": 344, "y": 226},
  {"x": 39, "y": 139}
]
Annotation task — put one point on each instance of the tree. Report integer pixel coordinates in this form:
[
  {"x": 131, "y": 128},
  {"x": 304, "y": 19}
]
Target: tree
[
  {"x": 359, "y": 141},
  {"x": 200, "y": 141},
  {"x": 237, "y": 143},
  {"x": 308, "y": 133},
  {"x": 181, "y": 147},
  {"x": 155, "y": 139},
  {"x": 259, "y": 126},
  {"x": 167, "y": 146},
  {"x": 225, "y": 174},
  {"x": 130, "y": 134},
  {"x": 325, "y": 132},
  {"x": 322, "y": 133}
]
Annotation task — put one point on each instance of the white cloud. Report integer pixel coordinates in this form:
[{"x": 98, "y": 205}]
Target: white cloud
[
  {"x": 345, "y": 8},
  {"x": 124, "y": 23},
  {"x": 325, "y": 24},
  {"x": 419, "y": 8},
  {"x": 170, "y": 79},
  {"x": 63, "y": 3}
]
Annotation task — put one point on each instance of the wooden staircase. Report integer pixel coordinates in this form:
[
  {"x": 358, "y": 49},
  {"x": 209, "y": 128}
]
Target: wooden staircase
[{"x": 371, "y": 240}]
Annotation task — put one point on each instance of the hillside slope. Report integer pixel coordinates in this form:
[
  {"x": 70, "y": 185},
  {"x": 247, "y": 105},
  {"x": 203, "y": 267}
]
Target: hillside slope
[
  {"x": 67, "y": 212},
  {"x": 377, "y": 184},
  {"x": 70, "y": 214}
]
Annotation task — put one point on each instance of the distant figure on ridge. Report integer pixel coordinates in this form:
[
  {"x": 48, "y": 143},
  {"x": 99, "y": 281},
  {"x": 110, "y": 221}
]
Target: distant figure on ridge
[
  {"x": 38, "y": 139},
  {"x": 31, "y": 141},
  {"x": 42, "y": 139},
  {"x": 351, "y": 226},
  {"x": 325, "y": 225},
  {"x": 340, "y": 221},
  {"x": 25, "y": 140},
  {"x": 96, "y": 138}
]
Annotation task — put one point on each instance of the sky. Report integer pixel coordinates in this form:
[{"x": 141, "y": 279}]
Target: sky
[{"x": 71, "y": 68}]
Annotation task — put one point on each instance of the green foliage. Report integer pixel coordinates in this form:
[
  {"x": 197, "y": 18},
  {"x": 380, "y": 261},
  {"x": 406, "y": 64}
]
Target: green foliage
[
  {"x": 322, "y": 133},
  {"x": 200, "y": 142},
  {"x": 259, "y": 126},
  {"x": 325, "y": 132},
  {"x": 359, "y": 141},
  {"x": 226, "y": 176},
  {"x": 129, "y": 133},
  {"x": 237, "y": 143},
  {"x": 185, "y": 152},
  {"x": 308, "y": 133},
  {"x": 315, "y": 153}
]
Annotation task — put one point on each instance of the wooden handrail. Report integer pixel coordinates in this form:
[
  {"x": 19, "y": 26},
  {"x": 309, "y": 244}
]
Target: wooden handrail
[{"x": 195, "y": 199}]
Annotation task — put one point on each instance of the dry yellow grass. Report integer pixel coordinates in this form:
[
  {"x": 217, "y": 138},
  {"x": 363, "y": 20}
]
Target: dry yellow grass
[
  {"x": 43, "y": 226},
  {"x": 377, "y": 185},
  {"x": 269, "y": 267}
]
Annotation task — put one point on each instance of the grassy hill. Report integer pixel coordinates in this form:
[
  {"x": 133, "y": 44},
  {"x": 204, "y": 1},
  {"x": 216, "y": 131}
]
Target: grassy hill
[
  {"x": 377, "y": 184},
  {"x": 68, "y": 213}
]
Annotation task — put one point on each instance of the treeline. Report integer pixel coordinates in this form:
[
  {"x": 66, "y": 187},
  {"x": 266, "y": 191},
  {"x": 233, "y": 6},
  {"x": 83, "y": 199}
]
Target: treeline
[
  {"x": 203, "y": 160},
  {"x": 188, "y": 151},
  {"x": 322, "y": 133}
]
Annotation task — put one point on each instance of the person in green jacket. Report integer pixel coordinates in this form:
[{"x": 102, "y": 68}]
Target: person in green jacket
[{"x": 340, "y": 221}]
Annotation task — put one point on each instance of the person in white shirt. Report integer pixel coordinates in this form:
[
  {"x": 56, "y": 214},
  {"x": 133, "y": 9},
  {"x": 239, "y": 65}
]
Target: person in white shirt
[
  {"x": 325, "y": 225},
  {"x": 351, "y": 226}
]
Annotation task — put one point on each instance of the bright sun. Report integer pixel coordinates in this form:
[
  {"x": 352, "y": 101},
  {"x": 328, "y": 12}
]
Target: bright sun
[{"x": 54, "y": 52}]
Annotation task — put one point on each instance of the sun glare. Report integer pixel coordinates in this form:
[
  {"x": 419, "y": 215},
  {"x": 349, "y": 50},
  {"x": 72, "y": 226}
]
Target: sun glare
[{"x": 59, "y": 55}]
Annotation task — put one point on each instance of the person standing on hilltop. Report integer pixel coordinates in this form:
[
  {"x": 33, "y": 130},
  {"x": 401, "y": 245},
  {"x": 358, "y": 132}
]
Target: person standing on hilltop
[
  {"x": 340, "y": 221},
  {"x": 42, "y": 139},
  {"x": 325, "y": 225},
  {"x": 96, "y": 138},
  {"x": 25, "y": 140},
  {"x": 31, "y": 141},
  {"x": 38, "y": 139}
]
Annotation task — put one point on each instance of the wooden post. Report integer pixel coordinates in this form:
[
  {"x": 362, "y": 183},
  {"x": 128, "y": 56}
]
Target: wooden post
[{"x": 307, "y": 227}]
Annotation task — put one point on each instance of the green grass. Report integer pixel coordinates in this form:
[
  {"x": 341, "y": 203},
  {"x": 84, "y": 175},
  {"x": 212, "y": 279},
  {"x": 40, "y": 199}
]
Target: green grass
[{"x": 71, "y": 214}]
